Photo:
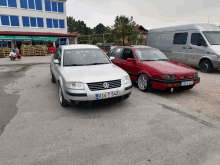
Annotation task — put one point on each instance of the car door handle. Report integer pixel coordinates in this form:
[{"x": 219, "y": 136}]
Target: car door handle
[
  {"x": 184, "y": 47},
  {"x": 121, "y": 63},
  {"x": 189, "y": 48}
]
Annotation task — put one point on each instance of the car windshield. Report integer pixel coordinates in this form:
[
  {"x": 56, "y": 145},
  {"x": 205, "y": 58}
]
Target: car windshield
[
  {"x": 80, "y": 57},
  {"x": 150, "y": 55},
  {"x": 213, "y": 37}
]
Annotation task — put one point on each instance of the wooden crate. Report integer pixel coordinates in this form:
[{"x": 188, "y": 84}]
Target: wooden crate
[
  {"x": 37, "y": 53},
  {"x": 2, "y": 55}
]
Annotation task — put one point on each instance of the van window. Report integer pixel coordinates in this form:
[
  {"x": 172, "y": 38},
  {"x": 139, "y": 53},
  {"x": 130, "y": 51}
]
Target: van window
[
  {"x": 180, "y": 38},
  {"x": 195, "y": 38}
]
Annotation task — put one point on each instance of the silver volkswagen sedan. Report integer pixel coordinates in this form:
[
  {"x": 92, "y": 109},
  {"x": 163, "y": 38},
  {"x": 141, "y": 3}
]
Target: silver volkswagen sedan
[{"x": 84, "y": 73}]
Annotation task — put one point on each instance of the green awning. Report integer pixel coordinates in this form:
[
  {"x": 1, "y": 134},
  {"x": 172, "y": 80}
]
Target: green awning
[
  {"x": 6, "y": 38},
  {"x": 17, "y": 38},
  {"x": 44, "y": 38}
]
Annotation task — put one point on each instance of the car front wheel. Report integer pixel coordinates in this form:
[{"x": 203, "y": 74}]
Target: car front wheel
[
  {"x": 63, "y": 102},
  {"x": 144, "y": 83},
  {"x": 206, "y": 66}
]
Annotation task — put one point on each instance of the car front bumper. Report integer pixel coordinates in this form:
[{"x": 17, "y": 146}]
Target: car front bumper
[
  {"x": 164, "y": 84},
  {"x": 88, "y": 95},
  {"x": 216, "y": 64}
]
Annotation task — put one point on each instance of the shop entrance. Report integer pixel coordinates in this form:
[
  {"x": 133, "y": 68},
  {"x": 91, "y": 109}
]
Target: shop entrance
[{"x": 18, "y": 44}]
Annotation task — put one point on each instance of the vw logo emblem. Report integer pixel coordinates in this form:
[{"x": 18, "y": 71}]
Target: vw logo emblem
[{"x": 106, "y": 85}]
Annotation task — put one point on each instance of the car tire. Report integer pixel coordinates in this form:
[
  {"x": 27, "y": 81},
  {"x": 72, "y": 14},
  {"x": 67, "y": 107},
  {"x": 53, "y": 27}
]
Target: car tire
[
  {"x": 63, "y": 102},
  {"x": 143, "y": 83},
  {"x": 206, "y": 66}
]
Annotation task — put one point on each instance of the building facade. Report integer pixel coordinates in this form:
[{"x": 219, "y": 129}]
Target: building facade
[{"x": 38, "y": 18}]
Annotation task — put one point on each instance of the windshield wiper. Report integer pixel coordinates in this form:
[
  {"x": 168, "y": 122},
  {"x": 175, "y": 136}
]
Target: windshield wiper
[
  {"x": 97, "y": 63},
  {"x": 163, "y": 60},
  {"x": 74, "y": 65},
  {"x": 148, "y": 60}
]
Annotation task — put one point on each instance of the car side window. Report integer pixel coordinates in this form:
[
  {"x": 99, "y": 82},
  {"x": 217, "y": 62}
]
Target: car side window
[
  {"x": 180, "y": 38},
  {"x": 195, "y": 38},
  {"x": 127, "y": 53},
  {"x": 117, "y": 52}
]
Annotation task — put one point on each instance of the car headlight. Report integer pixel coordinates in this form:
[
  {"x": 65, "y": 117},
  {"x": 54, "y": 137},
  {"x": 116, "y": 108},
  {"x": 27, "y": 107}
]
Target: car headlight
[
  {"x": 126, "y": 79},
  {"x": 169, "y": 76},
  {"x": 196, "y": 74},
  {"x": 74, "y": 85},
  {"x": 218, "y": 56}
]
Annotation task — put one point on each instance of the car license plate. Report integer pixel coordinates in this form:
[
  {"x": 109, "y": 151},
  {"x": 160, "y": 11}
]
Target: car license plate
[
  {"x": 107, "y": 94},
  {"x": 186, "y": 83}
]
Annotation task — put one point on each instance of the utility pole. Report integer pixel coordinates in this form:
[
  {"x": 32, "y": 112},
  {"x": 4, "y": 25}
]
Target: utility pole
[{"x": 208, "y": 20}]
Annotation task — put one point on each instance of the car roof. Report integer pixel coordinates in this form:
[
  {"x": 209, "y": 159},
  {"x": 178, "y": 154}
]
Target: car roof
[
  {"x": 79, "y": 46},
  {"x": 136, "y": 47}
]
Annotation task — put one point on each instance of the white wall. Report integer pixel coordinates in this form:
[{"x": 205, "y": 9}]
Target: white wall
[{"x": 33, "y": 13}]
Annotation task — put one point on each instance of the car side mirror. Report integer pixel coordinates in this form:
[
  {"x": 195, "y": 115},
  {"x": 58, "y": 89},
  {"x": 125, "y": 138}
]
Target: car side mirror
[
  {"x": 199, "y": 43},
  {"x": 112, "y": 58},
  {"x": 130, "y": 60},
  {"x": 56, "y": 61}
]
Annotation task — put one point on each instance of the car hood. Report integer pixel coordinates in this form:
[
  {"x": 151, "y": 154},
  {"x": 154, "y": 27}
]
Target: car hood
[
  {"x": 167, "y": 67},
  {"x": 216, "y": 48},
  {"x": 94, "y": 73}
]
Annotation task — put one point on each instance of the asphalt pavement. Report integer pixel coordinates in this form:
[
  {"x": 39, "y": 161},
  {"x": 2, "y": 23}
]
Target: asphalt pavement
[{"x": 144, "y": 129}]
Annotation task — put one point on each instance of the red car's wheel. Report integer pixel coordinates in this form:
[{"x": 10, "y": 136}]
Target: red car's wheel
[{"x": 144, "y": 83}]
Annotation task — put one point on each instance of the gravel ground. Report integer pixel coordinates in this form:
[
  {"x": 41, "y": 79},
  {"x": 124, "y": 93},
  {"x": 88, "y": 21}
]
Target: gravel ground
[{"x": 203, "y": 98}]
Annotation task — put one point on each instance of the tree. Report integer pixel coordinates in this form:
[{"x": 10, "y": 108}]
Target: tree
[
  {"x": 80, "y": 26},
  {"x": 124, "y": 30},
  {"x": 99, "y": 29}
]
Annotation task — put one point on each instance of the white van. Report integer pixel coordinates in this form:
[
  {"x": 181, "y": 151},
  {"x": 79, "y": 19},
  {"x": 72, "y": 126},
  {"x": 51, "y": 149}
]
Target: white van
[{"x": 196, "y": 45}]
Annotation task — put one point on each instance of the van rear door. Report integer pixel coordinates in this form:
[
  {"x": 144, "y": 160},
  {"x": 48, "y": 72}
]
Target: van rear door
[{"x": 179, "y": 46}]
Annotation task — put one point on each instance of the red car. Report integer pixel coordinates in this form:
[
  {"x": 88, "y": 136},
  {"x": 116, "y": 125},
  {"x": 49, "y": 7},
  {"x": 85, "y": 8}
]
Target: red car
[{"x": 150, "y": 68}]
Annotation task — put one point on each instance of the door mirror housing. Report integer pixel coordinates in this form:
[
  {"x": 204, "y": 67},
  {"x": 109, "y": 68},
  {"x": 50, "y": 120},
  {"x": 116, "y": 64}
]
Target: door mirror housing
[
  {"x": 130, "y": 60},
  {"x": 199, "y": 43},
  {"x": 112, "y": 58},
  {"x": 56, "y": 61}
]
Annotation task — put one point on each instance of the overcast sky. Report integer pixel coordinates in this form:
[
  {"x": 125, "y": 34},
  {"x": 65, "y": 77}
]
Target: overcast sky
[{"x": 148, "y": 13}]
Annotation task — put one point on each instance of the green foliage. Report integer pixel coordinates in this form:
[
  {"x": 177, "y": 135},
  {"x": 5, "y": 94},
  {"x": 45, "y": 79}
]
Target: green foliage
[
  {"x": 79, "y": 26},
  {"x": 124, "y": 30},
  {"x": 99, "y": 29}
]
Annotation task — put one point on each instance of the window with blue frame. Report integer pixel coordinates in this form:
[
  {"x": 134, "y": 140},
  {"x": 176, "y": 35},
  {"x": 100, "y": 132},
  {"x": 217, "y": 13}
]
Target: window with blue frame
[
  {"x": 12, "y": 3},
  {"x": 49, "y": 23},
  {"x": 23, "y": 4},
  {"x": 9, "y": 20},
  {"x": 33, "y": 22},
  {"x": 26, "y": 21},
  {"x": 61, "y": 23},
  {"x": 14, "y": 20},
  {"x": 60, "y": 7},
  {"x": 3, "y": 2},
  {"x": 55, "y": 23},
  {"x": 38, "y": 4},
  {"x": 54, "y": 6},
  {"x": 47, "y": 5},
  {"x": 5, "y": 20},
  {"x": 40, "y": 22},
  {"x": 9, "y": 3},
  {"x": 31, "y": 4}
]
